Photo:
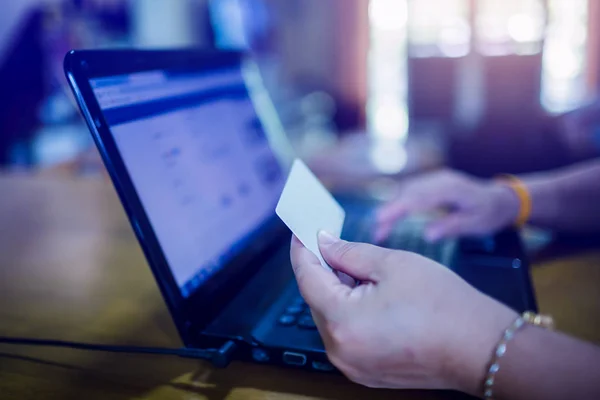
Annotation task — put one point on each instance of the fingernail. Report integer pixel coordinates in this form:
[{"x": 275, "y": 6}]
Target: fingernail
[{"x": 326, "y": 238}]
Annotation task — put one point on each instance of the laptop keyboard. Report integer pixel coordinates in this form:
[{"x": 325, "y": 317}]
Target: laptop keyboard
[{"x": 297, "y": 314}]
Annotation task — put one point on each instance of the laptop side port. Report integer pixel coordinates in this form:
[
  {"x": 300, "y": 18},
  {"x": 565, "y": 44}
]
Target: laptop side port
[
  {"x": 291, "y": 358},
  {"x": 260, "y": 355},
  {"x": 322, "y": 366}
]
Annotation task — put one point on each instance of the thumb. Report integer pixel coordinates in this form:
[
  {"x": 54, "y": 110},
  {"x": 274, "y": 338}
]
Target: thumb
[
  {"x": 361, "y": 261},
  {"x": 318, "y": 286}
]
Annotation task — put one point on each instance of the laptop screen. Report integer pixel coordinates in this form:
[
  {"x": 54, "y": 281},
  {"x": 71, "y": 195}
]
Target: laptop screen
[{"x": 199, "y": 160}]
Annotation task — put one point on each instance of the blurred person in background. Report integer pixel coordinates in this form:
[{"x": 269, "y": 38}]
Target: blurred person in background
[{"x": 34, "y": 37}]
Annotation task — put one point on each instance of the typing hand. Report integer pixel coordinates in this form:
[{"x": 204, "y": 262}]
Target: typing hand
[
  {"x": 411, "y": 324},
  {"x": 471, "y": 206}
]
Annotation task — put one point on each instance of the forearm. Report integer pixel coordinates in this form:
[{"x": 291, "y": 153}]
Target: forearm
[
  {"x": 568, "y": 200},
  {"x": 541, "y": 364}
]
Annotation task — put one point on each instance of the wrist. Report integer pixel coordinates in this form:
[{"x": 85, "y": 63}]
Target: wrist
[
  {"x": 545, "y": 198},
  {"x": 484, "y": 326},
  {"x": 508, "y": 203}
]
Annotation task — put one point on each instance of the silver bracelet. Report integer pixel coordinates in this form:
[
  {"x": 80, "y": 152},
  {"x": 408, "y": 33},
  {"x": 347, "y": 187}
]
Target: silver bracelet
[{"x": 509, "y": 333}]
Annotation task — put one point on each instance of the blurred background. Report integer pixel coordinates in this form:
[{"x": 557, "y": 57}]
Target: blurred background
[{"x": 386, "y": 86}]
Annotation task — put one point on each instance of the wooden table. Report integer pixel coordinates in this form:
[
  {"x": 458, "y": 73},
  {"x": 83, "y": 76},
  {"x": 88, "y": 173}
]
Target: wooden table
[{"x": 70, "y": 268}]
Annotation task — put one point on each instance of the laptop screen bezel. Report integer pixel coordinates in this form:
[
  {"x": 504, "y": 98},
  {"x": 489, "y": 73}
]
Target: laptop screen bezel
[{"x": 195, "y": 312}]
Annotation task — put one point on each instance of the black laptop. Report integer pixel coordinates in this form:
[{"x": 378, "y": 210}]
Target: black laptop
[{"x": 199, "y": 159}]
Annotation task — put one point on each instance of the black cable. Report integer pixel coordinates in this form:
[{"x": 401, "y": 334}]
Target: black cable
[{"x": 219, "y": 357}]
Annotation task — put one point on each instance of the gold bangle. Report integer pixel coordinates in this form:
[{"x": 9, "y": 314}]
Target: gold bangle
[
  {"x": 522, "y": 193},
  {"x": 526, "y": 318}
]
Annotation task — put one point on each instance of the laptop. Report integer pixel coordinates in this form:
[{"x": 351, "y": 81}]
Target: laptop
[{"x": 198, "y": 158}]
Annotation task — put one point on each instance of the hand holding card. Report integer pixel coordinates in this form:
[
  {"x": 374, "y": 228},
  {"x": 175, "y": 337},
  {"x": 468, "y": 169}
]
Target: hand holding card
[{"x": 307, "y": 207}]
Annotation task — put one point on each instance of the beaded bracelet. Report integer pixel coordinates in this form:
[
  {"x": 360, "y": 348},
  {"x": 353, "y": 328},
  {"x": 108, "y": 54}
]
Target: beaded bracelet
[{"x": 527, "y": 318}]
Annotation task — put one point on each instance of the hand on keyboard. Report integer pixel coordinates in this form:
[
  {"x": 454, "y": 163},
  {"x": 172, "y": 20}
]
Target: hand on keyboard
[
  {"x": 409, "y": 236},
  {"x": 472, "y": 206}
]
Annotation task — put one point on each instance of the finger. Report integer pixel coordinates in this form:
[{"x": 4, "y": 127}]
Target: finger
[
  {"x": 318, "y": 287},
  {"x": 346, "y": 279},
  {"x": 361, "y": 261},
  {"x": 393, "y": 210},
  {"x": 387, "y": 216},
  {"x": 382, "y": 232},
  {"x": 451, "y": 226}
]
